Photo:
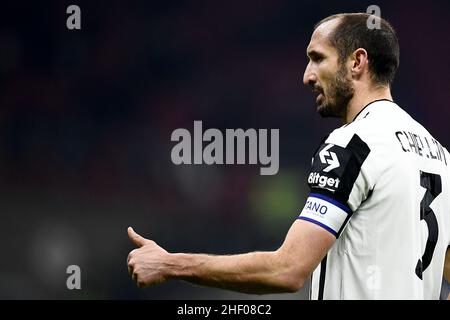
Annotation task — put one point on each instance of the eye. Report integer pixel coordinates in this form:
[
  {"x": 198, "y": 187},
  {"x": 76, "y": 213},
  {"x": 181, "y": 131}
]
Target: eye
[{"x": 316, "y": 57}]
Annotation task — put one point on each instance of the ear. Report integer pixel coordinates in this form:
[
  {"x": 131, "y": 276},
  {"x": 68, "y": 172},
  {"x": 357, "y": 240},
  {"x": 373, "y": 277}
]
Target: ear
[{"x": 359, "y": 62}]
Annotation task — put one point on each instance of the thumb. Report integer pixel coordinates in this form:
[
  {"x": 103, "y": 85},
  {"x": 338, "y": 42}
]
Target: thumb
[{"x": 137, "y": 239}]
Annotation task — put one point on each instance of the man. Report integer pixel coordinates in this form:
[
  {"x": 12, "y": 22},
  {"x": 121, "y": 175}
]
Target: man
[{"x": 376, "y": 224}]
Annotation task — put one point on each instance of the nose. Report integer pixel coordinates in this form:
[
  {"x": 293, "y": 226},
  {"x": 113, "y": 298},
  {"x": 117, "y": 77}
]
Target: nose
[{"x": 309, "y": 78}]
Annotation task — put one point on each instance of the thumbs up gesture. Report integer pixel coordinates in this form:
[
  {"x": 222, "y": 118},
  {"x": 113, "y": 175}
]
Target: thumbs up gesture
[{"x": 148, "y": 263}]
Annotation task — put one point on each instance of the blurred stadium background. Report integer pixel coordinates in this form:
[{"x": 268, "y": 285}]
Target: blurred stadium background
[{"x": 86, "y": 118}]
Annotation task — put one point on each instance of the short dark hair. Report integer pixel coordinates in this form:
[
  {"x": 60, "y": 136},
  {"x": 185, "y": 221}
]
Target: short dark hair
[{"x": 381, "y": 44}]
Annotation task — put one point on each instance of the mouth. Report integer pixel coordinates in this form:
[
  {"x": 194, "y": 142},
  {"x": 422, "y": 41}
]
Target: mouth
[
  {"x": 320, "y": 96},
  {"x": 319, "y": 99}
]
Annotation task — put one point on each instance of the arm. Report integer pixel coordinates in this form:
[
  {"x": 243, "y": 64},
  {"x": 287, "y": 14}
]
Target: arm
[
  {"x": 283, "y": 270},
  {"x": 447, "y": 268}
]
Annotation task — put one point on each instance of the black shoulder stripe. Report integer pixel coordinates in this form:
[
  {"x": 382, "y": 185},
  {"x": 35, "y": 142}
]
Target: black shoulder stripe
[
  {"x": 321, "y": 144},
  {"x": 359, "y": 152},
  {"x": 335, "y": 169}
]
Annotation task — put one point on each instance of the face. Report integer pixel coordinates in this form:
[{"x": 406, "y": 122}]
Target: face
[{"x": 328, "y": 78}]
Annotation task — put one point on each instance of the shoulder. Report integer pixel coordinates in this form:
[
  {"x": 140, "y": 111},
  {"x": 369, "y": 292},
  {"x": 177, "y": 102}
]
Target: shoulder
[
  {"x": 350, "y": 140},
  {"x": 372, "y": 126},
  {"x": 358, "y": 152},
  {"x": 338, "y": 163}
]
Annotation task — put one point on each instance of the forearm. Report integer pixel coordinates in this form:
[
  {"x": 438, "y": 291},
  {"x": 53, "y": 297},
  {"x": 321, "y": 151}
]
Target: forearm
[
  {"x": 256, "y": 272},
  {"x": 447, "y": 272},
  {"x": 447, "y": 266}
]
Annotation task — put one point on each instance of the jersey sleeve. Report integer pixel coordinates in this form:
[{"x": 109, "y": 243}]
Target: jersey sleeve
[{"x": 339, "y": 182}]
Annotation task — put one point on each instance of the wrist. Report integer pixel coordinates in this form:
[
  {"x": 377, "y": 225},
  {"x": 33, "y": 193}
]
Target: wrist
[{"x": 178, "y": 266}]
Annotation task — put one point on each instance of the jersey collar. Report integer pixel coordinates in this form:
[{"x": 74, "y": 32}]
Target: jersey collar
[{"x": 361, "y": 111}]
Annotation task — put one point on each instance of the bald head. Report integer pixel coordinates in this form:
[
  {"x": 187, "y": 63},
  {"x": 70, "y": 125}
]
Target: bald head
[{"x": 327, "y": 28}]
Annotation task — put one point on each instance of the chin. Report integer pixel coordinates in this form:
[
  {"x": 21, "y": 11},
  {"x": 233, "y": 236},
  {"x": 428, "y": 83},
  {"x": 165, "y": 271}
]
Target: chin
[
  {"x": 321, "y": 109},
  {"x": 325, "y": 111}
]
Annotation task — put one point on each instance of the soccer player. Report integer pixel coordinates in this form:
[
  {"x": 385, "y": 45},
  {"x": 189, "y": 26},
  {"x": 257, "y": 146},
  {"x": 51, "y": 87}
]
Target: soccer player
[{"x": 376, "y": 224}]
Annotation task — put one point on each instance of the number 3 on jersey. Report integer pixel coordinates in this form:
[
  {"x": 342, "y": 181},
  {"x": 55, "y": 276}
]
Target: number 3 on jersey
[{"x": 433, "y": 185}]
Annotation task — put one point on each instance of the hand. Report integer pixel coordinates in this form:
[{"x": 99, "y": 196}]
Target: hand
[{"x": 147, "y": 264}]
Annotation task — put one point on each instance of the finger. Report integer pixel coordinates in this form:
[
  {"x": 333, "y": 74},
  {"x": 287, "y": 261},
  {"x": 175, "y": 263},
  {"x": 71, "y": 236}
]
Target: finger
[
  {"x": 130, "y": 267},
  {"x": 130, "y": 255},
  {"x": 137, "y": 239}
]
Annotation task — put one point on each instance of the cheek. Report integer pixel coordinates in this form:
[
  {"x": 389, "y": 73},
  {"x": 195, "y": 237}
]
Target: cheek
[{"x": 326, "y": 76}]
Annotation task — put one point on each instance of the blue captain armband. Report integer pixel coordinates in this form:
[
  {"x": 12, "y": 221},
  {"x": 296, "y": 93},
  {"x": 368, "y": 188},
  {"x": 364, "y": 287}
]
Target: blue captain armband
[{"x": 326, "y": 213}]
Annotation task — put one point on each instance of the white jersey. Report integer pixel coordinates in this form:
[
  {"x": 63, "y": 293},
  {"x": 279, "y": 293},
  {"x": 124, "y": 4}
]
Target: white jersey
[{"x": 381, "y": 185}]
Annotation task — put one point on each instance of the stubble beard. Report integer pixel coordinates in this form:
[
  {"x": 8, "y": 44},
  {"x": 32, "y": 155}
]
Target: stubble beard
[{"x": 340, "y": 93}]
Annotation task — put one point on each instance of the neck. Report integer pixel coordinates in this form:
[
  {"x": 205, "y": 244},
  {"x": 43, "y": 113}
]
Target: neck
[{"x": 363, "y": 98}]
